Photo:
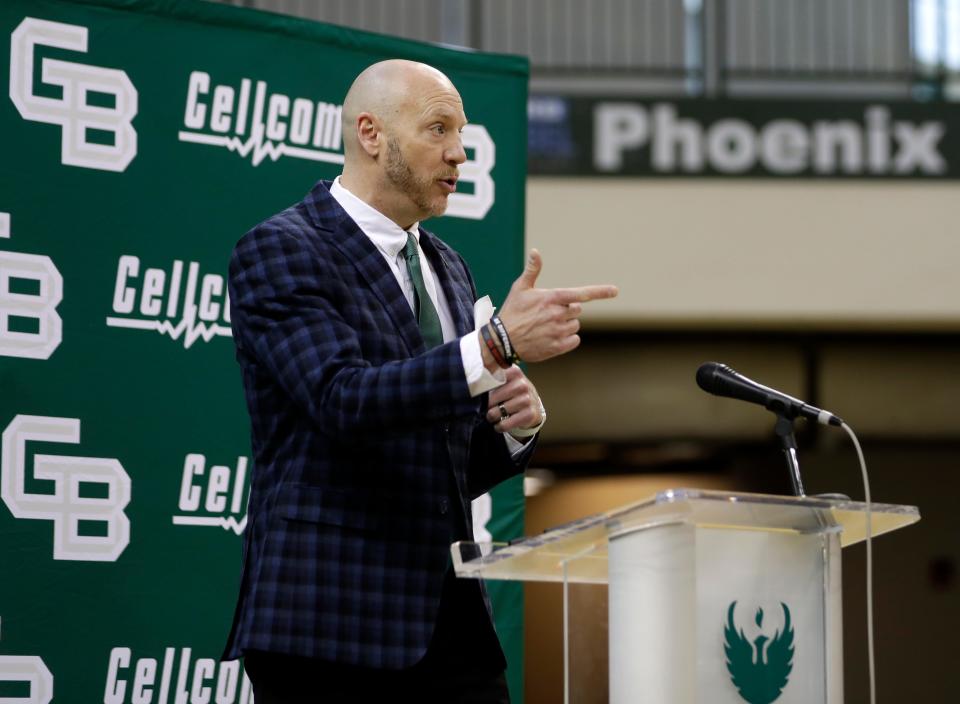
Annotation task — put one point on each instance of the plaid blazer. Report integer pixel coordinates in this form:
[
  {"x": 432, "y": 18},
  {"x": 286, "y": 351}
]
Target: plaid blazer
[{"x": 360, "y": 437}]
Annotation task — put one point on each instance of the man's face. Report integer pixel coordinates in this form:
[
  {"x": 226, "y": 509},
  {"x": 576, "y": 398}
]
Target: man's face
[{"x": 424, "y": 149}]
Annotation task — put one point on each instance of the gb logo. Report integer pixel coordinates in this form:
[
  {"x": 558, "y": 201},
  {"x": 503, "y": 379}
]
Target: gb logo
[
  {"x": 72, "y": 110},
  {"x": 70, "y": 504}
]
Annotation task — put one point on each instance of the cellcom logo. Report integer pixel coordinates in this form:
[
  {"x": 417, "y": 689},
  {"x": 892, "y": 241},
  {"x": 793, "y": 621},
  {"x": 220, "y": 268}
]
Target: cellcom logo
[
  {"x": 175, "y": 301},
  {"x": 73, "y": 111}
]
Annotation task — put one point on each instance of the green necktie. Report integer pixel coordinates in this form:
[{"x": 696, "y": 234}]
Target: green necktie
[{"x": 423, "y": 306}]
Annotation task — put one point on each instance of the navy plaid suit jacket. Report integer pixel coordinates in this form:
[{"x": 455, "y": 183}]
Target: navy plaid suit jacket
[{"x": 360, "y": 437}]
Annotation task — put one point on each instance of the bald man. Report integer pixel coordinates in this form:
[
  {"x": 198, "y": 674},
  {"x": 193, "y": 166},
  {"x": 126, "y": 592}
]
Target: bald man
[{"x": 381, "y": 403}]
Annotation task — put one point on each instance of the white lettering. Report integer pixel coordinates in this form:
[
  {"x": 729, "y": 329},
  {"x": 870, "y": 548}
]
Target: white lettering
[
  {"x": 784, "y": 146},
  {"x": 238, "y": 485},
  {"x": 203, "y": 670},
  {"x": 153, "y": 281},
  {"x": 828, "y": 138},
  {"x": 180, "y": 693},
  {"x": 314, "y": 128},
  {"x": 327, "y": 127},
  {"x": 196, "y": 112},
  {"x": 731, "y": 146},
  {"x": 300, "y": 121},
  {"x": 123, "y": 295},
  {"x": 227, "y": 682},
  {"x": 670, "y": 132},
  {"x": 174, "y": 299},
  {"x": 143, "y": 680},
  {"x": 169, "y": 655},
  {"x": 199, "y": 681},
  {"x": 213, "y": 489},
  {"x": 476, "y": 205},
  {"x": 217, "y": 489},
  {"x": 190, "y": 493},
  {"x": 222, "y": 108},
  {"x": 617, "y": 127},
  {"x": 212, "y": 286},
  {"x": 116, "y": 688},
  {"x": 279, "y": 107},
  {"x": 918, "y": 147},
  {"x": 226, "y": 306},
  {"x": 780, "y": 146},
  {"x": 159, "y": 294},
  {"x": 242, "y": 108},
  {"x": 878, "y": 139}
]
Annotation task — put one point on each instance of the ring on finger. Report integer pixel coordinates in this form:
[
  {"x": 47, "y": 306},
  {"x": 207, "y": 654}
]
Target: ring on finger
[{"x": 503, "y": 412}]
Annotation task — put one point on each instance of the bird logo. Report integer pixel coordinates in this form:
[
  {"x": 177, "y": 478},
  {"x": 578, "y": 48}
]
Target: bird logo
[{"x": 760, "y": 670}]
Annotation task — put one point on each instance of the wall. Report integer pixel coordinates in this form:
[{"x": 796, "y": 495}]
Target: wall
[{"x": 709, "y": 253}]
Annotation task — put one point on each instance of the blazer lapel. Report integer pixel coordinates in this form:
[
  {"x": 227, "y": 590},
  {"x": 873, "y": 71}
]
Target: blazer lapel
[
  {"x": 455, "y": 287},
  {"x": 368, "y": 261}
]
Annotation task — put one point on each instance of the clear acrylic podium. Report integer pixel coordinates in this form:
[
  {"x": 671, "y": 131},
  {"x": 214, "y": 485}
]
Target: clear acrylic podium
[{"x": 714, "y": 598}]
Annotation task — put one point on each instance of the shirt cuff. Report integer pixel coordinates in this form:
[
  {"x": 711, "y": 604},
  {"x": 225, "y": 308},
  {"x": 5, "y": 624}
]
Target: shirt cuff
[
  {"x": 479, "y": 378},
  {"x": 514, "y": 446}
]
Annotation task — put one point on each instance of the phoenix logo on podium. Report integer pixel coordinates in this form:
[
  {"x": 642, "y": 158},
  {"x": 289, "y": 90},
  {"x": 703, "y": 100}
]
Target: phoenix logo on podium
[{"x": 760, "y": 670}]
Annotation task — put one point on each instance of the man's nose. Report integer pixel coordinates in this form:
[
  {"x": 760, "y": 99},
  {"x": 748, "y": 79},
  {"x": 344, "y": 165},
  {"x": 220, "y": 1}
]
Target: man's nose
[{"x": 455, "y": 153}]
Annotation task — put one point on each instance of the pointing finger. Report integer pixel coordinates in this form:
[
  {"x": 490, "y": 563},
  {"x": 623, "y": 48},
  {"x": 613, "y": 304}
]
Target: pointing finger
[{"x": 585, "y": 293}]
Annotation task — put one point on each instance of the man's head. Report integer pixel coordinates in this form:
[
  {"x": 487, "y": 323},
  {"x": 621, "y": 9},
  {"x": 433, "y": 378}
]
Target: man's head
[{"x": 401, "y": 139}]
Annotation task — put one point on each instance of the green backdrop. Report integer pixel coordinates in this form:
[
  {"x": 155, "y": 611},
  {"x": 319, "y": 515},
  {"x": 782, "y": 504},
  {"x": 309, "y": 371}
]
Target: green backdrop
[{"x": 141, "y": 139}]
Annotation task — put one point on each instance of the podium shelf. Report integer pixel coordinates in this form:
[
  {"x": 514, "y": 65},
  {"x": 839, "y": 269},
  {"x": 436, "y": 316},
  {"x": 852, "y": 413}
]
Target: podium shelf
[{"x": 577, "y": 551}]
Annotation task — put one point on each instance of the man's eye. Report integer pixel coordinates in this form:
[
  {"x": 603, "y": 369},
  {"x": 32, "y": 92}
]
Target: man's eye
[{"x": 439, "y": 129}]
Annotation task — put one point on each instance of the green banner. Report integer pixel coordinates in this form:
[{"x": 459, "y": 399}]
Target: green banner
[
  {"x": 141, "y": 140},
  {"x": 756, "y": 138}
]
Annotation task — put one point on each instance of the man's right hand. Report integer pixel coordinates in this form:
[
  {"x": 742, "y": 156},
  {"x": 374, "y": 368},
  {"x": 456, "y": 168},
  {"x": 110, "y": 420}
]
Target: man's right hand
[{"x": 543, "y": 322}]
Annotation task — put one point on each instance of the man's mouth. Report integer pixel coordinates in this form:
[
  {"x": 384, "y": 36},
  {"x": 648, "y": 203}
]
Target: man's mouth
[{"x": 449, "y": 184}]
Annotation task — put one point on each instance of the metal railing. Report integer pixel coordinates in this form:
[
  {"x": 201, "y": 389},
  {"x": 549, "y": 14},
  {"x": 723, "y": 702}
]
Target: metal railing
[{"x": 682, "y": 46}]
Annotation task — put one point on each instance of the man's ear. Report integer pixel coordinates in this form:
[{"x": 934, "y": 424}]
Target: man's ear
[{"x": 369, "y": 133}]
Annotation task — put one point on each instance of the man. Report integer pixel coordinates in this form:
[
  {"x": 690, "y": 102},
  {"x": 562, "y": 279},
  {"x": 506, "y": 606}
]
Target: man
[{"x": 379, "y": 409}]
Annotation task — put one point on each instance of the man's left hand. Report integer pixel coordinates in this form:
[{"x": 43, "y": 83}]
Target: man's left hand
[{"x": 515, "y": 404}]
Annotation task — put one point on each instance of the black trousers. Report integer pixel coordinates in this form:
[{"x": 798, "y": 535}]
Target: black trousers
[{"x": 463, "y": 665}]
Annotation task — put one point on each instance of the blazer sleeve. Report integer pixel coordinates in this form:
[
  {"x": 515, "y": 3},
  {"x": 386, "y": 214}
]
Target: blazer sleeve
[
  {"x": 491, "y": 461},
  {"x": 286, "y": 311}
]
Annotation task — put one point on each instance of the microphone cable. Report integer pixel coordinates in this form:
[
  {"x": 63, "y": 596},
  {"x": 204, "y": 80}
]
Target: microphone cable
[{"x": 869, "y": 545}]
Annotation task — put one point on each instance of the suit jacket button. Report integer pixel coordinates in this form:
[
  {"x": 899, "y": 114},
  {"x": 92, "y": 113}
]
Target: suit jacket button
[{"x": 444, "y": 507}]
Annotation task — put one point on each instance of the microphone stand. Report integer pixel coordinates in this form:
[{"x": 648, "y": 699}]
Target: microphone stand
[{"x": 784, "y": 430}]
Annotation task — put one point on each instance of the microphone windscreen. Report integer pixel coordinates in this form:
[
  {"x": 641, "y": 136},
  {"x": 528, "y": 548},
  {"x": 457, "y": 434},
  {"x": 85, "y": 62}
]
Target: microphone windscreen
[{"x": 707, "y": 378}]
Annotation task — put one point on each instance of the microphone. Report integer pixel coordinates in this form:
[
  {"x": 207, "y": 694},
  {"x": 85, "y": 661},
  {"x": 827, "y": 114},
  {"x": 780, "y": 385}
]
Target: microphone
[{"x": 720, "y": 380}]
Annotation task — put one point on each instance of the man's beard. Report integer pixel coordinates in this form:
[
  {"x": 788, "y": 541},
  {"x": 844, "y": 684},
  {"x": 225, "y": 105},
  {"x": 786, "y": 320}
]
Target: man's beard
[{"x": 416, "y": 189}]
